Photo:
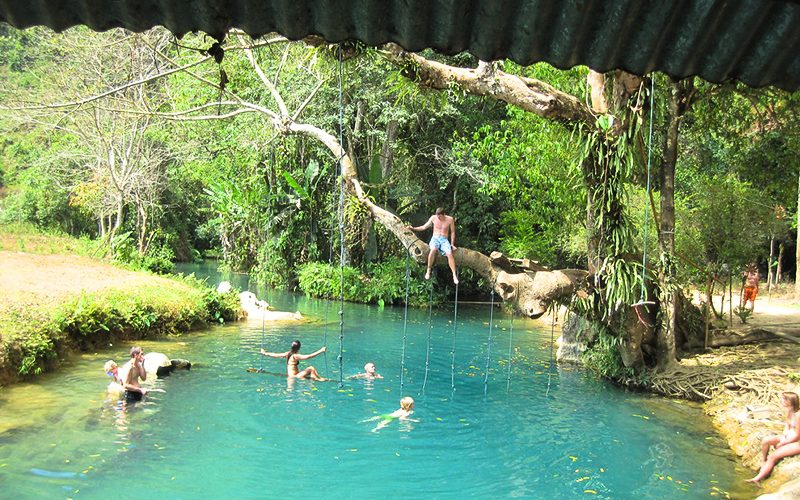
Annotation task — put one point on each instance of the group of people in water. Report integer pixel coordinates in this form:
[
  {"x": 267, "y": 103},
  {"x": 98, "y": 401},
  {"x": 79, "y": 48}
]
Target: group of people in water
[{"x": 126, "y": 380}]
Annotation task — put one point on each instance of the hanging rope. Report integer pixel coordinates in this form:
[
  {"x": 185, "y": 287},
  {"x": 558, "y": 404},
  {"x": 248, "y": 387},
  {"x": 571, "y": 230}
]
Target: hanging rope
[
  {"x": 405, "y": 324},
  {"x": 489, "y": 346},
  {"x": 327, "y": 306},
  {"x": 430, "y": 327},
  {"x": 453, "y": 350},
  {"x": 552, "y": 342},
  {"x": 510, "y": 349},
  {"x": 642, "y": 288},
  {"x": 341, "y": 224}
]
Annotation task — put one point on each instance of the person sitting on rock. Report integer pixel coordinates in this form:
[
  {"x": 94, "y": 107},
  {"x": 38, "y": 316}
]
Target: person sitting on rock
[{"x": 787, "y": 444}]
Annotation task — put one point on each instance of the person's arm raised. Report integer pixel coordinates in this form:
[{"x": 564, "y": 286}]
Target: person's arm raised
[
  {"x": 274, "y": 354},
  {"x": 314, "y": 354},
  {"x": 422, "y": 227}
]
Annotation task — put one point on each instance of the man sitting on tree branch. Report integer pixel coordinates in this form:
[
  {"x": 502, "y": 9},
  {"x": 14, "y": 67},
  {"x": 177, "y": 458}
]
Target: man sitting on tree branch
[{"x": 443, "y": 228}]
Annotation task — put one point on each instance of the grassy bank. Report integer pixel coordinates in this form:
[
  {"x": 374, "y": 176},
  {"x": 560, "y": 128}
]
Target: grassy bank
[{"x": 53, "y": 302}]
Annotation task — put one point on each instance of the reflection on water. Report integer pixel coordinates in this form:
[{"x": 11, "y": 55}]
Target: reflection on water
[{"x": 219, "y": 431}]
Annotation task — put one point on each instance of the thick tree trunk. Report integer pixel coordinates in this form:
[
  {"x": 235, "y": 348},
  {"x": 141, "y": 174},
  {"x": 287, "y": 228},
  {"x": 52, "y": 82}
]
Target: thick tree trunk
[
  {"x": 529, "y": 292},
  {"x": 797, "y": 252},
  {"x": 666, "y": 341}
]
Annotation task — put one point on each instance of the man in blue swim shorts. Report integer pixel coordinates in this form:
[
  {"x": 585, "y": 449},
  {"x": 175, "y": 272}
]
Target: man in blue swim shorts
[{"x": 443, "y": 241}]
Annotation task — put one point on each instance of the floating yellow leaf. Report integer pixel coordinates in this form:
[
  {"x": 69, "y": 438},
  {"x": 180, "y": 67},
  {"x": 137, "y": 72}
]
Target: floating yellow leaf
[
  {"x": 353, "y": 450},
  {"x": 641, "y": 416},
  {"x": 591, "y": 492},
  {"x": 581, "y": 479},
  {"x": 440, "y": 419},
  {"x": 574, "y": 459},
  {"x": 397, "y": 454},
  {"x": 602, "y": 469}
]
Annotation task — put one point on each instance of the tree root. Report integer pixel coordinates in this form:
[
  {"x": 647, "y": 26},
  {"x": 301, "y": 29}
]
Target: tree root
[{"x": 745, "y": 368}]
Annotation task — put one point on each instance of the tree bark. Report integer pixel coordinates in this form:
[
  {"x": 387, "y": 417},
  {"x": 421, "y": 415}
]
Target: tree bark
[
  {"x": 666, "y": 341},
  {"x": 529, "y": 293},
  {"x": 797, "y": 252}
]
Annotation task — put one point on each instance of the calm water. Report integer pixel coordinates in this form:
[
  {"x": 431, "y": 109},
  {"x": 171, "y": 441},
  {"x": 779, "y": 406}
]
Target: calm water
[{"x": 221, "y": 432}]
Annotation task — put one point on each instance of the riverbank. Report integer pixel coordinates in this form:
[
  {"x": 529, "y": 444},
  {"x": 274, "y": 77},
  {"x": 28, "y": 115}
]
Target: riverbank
[
  {"x": 740, "y": 385},
  {"x": 52, "y": 304}
]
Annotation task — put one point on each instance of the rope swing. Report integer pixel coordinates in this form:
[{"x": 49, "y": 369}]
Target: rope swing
[
  {"x": 453, "y": 350},
  {"x": 642, "y": 289},
  {"x": 341, "y": 224},
  {"x": 510, "y": 349},
  {"x": 430, "y": 327},
  {"x": 489, "y": 345},
  {"x": 405, "y": 324},
  {"x": 552, "y": 342}
]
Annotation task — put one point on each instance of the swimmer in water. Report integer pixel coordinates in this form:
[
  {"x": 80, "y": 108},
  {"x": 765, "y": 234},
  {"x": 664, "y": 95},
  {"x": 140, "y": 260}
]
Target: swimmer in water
[
  {"x": 403, "y": 413},
  {"x": 370, "y": 372},
  {"x": 293, "y": 358},
  {"x": 136, "y": 371},
  {"x": 116, "y": 386}
]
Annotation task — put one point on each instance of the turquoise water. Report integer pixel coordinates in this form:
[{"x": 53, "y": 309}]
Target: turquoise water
[{"x": 218, "y": 431}]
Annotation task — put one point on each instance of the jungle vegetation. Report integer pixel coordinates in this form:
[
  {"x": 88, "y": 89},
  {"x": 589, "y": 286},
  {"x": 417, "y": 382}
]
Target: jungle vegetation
[{"x": 167, "y": 149}]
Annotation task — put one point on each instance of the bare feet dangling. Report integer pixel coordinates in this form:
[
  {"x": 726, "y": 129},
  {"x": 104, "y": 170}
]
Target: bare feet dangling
[
  {"x": 428, "y": 274},
  {"x": 455, "y": 280}
]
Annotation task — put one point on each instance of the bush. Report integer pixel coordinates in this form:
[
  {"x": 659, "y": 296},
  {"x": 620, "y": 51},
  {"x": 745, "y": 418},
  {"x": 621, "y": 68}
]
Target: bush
[
  {"x": 604, "y": 359},
  {"x": 383, "y": 283}
]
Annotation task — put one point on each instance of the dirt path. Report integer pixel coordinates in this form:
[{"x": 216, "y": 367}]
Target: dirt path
[{"x": 31, "y": 277}]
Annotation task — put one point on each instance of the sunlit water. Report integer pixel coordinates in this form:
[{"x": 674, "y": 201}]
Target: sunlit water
[{"x": 219, "y": 431}]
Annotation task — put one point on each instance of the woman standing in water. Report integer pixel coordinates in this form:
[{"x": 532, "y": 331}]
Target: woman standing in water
[
  {"x": 787, "y": 444},
  {"x": 293, "y": 358}
]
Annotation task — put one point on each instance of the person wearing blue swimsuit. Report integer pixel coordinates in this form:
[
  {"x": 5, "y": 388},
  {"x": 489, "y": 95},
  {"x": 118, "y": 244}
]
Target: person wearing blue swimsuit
[{"x": 443, "y": 240}]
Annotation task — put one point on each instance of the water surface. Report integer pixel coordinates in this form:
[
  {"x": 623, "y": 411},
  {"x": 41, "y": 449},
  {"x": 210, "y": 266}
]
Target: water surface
[{"x": 219, "y": 431}]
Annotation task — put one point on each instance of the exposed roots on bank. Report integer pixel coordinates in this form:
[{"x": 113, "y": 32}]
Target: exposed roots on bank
[{"x": 749, "y": 369}]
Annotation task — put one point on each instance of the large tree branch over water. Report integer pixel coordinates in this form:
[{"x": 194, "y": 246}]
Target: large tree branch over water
[
  {"x": 529, "y": 293},
  {"x": 528, "y": 94}
]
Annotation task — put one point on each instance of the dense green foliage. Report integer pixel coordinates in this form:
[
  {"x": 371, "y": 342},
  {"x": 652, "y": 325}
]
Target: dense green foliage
[
  {"x": 31, "y": 339},
  {"x": 382, "y": 283},
  {"x": 267, "y": 202}
]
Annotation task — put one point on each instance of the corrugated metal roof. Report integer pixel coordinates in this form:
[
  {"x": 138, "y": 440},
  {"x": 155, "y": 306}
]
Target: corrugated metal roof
[{"x": 754, "y": 41}]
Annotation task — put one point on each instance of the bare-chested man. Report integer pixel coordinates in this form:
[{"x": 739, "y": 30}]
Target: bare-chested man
[
  {"x": 751, "y": 285},
  {"x": 443, "y": 228},
  {"x": 136, "y": 371}
]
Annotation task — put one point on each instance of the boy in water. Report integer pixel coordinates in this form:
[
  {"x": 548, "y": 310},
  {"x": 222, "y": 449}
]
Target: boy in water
[
  {"x": 116, "y": 386},
  {"x": 406, "y": 410},
  {"x": 134, "y": 391}
]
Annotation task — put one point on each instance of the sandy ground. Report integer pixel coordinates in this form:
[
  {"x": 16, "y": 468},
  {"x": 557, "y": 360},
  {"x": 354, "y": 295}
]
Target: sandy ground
[{"x": 27, "y": 276}]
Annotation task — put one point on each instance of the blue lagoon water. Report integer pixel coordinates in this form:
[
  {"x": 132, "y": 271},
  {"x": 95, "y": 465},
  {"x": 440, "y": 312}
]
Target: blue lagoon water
[{"x": 219, "y": 431}]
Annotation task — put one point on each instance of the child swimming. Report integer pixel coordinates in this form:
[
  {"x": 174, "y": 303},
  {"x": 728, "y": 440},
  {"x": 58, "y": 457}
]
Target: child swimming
[{"x": 403, "y": 413}]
